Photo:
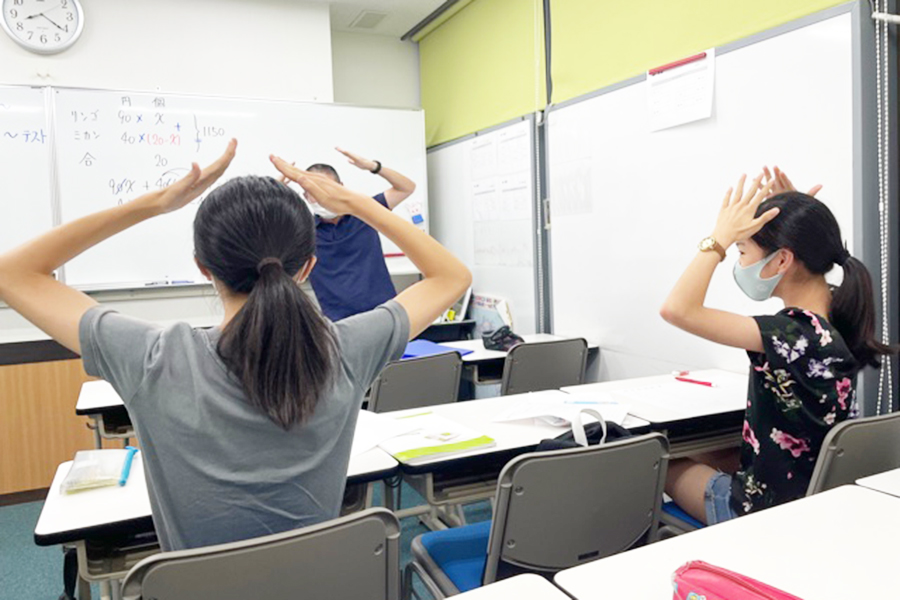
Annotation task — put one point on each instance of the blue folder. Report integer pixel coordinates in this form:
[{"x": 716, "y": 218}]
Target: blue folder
[{"x": 419, "y": 348}]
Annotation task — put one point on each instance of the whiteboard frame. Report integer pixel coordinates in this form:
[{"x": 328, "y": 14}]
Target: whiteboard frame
[
  {"x": 537, "y": 239},
  {"x": 866, "y": 245},
  {"x": 197, "y": 288}
]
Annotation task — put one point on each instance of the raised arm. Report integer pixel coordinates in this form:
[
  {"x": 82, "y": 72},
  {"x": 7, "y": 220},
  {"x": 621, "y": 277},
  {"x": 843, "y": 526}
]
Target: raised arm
[
  {"x": 401, "y": 185},
  {"x": 446, "y": 278},
  {"x": 685, "y": 307},
  {"x": 27, "y": 284}
]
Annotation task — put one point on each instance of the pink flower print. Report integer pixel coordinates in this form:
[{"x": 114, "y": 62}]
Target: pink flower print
[
  {"x": 824, "y": 334},
  {"x": 830, "y": 417},
  {"x": 750, "y": 437},
  {"x": 790, "y": 476},
  {"x": 762, "y": 369},
  {"x": 788, "y": 442},
  {"x": 843, "y": 392}
]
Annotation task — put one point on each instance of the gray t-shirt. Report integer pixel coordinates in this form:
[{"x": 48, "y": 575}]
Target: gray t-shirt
[{"x": 218, "y": 469}]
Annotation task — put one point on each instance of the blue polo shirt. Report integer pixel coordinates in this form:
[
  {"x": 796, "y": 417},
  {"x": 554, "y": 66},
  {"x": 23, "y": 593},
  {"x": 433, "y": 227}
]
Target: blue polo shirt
[{"x": 350, "y": 276}]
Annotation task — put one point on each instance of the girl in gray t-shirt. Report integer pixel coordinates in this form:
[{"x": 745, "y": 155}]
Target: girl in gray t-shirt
[{"x": 245, "y": 428}]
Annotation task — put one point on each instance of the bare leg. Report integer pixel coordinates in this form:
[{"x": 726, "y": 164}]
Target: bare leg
[
  {"x": 686, "y": 483},
  {"x": 727, "y": 460}
]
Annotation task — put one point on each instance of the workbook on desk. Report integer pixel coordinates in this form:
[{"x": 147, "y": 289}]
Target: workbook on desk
[
  {"x": 434, "y": 436},
  {"x": 560, "y": 409}
]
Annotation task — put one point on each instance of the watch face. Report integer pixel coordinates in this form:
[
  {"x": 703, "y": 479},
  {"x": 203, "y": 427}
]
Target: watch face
[
  {"x": 707, "y": 244},
  {"x": 43, "y": 26}
]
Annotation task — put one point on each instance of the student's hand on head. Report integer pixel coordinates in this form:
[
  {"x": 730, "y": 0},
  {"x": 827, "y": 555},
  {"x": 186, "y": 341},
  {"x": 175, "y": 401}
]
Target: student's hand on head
[
  {"x": 357, "y": 161},
  {"x": 189, "y": 187},
  {"x": 321, "y": 189},
  {"x": 782, "y": 184},
  {"x": 737, "y": 217}
]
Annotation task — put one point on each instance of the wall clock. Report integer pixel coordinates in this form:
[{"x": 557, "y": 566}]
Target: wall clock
[{"x": 43, "y": 26}]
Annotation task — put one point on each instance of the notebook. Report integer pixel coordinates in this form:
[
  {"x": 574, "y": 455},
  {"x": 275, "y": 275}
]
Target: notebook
[
  {"x": 420, "y": 348},
  {"x": 434, "y": 436}
]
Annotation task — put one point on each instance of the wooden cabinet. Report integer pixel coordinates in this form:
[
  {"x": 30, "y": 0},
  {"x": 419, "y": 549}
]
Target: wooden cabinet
[{"x": 38, "y": 425}]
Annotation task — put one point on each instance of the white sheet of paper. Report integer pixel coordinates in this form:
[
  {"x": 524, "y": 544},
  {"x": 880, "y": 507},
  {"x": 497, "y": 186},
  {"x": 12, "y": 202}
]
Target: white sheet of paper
[
  {"x": 559, "y": 408},
  {"x": 682, "y": 94},
  {"x": 684, "y": 398},
  {"x": 372, "y": 429}
]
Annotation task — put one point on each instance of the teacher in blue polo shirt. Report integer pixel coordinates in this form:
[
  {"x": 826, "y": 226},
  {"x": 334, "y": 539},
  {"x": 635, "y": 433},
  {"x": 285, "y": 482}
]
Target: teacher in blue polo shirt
[{"x": 350, "y": 275}]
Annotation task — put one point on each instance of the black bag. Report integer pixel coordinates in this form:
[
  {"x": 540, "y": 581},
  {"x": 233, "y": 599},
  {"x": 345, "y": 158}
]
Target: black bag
[{"x": 594, "y": 433}]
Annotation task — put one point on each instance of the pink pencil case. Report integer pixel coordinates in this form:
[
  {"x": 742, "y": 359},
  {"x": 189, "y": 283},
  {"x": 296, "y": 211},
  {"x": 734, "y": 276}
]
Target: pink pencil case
[{"x": 698, "y": 580}]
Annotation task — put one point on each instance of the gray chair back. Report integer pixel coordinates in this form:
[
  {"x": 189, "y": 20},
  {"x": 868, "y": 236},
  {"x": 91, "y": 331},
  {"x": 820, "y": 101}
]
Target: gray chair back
[
  {"x": 417, "y": 382},
  {"x": 354, "y": 558},
  {"x": 544, "y": 366},
  {"x": 558, "y": 509},
  {"x": 857, "y": 448}
]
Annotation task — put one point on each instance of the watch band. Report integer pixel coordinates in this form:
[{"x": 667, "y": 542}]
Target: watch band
[
  {"x": 717, "y": 247},
  {"x": 377, "y": 168}
]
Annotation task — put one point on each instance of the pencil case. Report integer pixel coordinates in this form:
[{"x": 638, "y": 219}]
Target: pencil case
[{"x": 698, "y": 580}]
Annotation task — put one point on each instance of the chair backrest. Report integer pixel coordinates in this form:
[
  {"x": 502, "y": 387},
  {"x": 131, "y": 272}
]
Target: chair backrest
[
  {"x": 558, "y": 509},
  {"x": 353, "y": 557},
  {"x": 544, "y": 366},
  {"x": 417, "y": 382},
  {"x": 857, "y": 448}
]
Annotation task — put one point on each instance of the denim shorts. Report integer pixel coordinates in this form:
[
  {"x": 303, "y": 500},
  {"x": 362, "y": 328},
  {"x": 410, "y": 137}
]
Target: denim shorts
[{"x": 718, "y": 499}]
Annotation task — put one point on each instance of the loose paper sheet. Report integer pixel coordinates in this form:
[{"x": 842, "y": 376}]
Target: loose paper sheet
[
  {"x": 682, "y": 94},
  {"x": 559, "y": 408}
]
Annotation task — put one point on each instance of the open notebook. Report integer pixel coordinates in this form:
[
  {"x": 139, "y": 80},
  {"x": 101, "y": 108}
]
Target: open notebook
[{"x": 433, "y": 436}]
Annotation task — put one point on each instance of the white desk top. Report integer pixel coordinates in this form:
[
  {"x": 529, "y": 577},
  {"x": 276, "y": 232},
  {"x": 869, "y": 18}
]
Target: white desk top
[
  {"x": 520, "y": 587},
  {"x": 663, "y": 399},
  {"x": 886, "y": 483},
  {"x": 112, "y": 505},
  {"x": 834, "y": 545},
  {"x": 479, "y": 414},
  {"x": 479, "y": 353},
  {"x": 96, "y": 396}
]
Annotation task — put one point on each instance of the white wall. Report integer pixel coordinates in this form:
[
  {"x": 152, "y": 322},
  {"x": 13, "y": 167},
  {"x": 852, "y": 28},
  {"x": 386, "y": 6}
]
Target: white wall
[
  {"x": 375, "y": 70},
  {"x": 257, "y": 48}
]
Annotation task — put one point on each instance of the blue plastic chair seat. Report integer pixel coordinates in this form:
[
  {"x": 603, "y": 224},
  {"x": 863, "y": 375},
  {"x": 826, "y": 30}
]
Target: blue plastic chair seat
[
  {"x": 460, "y": 552},
  {"x": 673, "y": 510}
]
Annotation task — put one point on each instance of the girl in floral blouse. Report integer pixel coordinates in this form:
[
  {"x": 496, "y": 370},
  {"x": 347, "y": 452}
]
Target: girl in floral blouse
[{"x": 804, "y": 360}]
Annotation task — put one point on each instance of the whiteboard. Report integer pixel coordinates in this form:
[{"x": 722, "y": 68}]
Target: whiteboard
[
  {"x": 482, "y": 203},
  {"x": 628, "y": 206},
  {"x": 113, "y": 146},
  {"x": 25, "y": 204}
]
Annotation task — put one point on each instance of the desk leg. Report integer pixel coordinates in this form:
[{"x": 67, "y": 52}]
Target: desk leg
[{"x": 98, "y": 439}]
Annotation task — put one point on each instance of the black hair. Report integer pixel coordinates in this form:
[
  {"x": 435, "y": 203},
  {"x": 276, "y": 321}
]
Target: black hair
[
  {"x": 807, "y": 228},
  {"x": 323, "y": 168},
  {"x": 254, "y": 234}
]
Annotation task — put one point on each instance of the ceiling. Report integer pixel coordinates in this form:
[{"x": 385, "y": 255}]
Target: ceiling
[{"x": 400, "y": 15}]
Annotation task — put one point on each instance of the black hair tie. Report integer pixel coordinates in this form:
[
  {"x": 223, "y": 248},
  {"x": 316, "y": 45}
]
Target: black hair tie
[
  {"x": 843, "y": 257},
  {"x": 270, "y": 260}
]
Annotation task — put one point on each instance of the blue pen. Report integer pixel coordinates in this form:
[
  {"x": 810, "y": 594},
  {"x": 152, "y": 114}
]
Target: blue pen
[
  {"x": 182, "y": 282},
  {"x": 126, "y": 468}
]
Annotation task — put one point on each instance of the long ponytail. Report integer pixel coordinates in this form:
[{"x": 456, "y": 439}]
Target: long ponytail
[
  {"x": 807, "y": 227},
  {"x": 254, "y": 234}
]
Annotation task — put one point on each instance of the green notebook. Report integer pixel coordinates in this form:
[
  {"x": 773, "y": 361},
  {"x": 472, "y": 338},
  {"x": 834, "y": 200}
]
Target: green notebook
[{"x": 434, "y": 437}]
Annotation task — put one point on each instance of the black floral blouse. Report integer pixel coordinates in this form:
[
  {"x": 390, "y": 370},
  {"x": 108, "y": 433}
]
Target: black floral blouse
[{"x": 800, "y": 386}]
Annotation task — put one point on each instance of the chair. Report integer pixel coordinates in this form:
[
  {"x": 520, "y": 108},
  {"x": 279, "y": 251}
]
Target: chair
[
  {"x": 353, "y": 557},
  {"x": 417, "y": 382},
  {"x": 554, "y": 510},
  {"x": 857, "y": 448},
  {"x": 540, "y": 366}
]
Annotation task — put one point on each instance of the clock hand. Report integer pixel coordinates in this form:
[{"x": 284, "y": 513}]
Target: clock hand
[{"x": 51, "y": 21}]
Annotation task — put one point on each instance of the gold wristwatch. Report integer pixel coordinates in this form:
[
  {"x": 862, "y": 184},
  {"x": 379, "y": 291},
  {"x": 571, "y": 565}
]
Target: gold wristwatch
[{"x": 709, "y": 244}]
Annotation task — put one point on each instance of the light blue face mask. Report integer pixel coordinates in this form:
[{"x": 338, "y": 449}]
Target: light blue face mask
[{"x": 750, "y": 281}]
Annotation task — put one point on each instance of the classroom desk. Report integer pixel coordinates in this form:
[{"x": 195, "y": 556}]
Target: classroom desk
[
  {"x": 112, "y": 528},
  {"x": 100, "y": 402},
  {"x": 696, "y": 419},
  {"x": 834, "y": 545},
  {"x": 886, "y": 483},
  {"x": 520, "y": 587},
  {"x": 472, "y": 476}
]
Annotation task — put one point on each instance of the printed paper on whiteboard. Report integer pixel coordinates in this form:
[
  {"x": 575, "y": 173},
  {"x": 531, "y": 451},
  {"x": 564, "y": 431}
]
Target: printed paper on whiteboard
[{"x": 681, "y": 94}]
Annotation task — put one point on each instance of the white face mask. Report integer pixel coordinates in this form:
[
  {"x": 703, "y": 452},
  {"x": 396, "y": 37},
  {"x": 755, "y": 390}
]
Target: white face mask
[
  {"x": 320, "y": 211},
  {"x": 751, "y": 282}
]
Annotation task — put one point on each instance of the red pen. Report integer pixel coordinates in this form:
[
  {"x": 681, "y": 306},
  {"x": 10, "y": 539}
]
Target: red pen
[{"x": 697, "y": 381}]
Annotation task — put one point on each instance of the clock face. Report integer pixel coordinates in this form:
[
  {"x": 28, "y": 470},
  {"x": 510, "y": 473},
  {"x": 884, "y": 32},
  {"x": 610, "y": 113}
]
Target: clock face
[{"x": 43, "y": 26}]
